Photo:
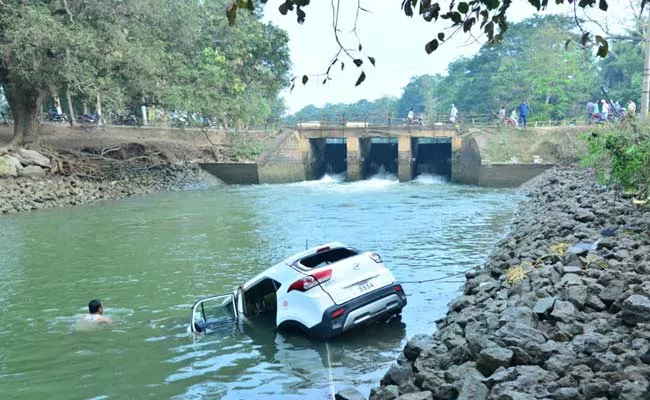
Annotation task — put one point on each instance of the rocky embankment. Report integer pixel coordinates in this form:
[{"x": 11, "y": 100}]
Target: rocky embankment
[
  {"x": 27, "y": 182},
  {"x": 561, "y": 311}
]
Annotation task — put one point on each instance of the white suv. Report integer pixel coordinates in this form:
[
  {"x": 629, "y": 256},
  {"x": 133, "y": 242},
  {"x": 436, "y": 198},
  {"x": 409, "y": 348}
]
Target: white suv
[{"x": 323, "y": 291}]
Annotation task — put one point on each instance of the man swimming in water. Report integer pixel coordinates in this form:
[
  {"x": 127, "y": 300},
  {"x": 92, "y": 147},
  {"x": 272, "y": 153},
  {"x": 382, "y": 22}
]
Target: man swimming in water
[{"x": 96, "y": 311}]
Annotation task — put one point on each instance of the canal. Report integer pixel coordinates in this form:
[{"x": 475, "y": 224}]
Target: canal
[{"x": 149, "y": 258}]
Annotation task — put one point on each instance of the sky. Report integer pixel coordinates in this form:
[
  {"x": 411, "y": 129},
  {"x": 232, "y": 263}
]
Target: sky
[{"x": 393, "y": 39}]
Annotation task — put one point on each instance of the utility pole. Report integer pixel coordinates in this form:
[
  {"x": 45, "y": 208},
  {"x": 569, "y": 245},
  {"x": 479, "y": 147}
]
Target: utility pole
[{"x": 645, "y": 94}]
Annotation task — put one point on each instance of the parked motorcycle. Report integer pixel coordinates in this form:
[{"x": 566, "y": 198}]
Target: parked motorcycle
[
  {"x": 54, "y": 116},
  {"x": 88, "y": 119}
]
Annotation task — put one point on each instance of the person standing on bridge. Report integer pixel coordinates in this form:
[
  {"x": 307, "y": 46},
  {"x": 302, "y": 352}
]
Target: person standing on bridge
[
  {"x": 523, "y": 113},
  {"x": 453, "y": 114},
  {"x": 411, "y": 116}
]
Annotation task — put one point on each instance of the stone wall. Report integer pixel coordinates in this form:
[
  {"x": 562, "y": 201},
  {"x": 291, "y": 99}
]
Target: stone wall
[{"x": 561, "y": 311}]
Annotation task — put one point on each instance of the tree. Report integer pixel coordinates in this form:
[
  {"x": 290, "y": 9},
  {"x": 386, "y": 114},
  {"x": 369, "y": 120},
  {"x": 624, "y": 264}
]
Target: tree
[
  {"x": 490, "y": 16},
  {"x": 128, "y": 53}
]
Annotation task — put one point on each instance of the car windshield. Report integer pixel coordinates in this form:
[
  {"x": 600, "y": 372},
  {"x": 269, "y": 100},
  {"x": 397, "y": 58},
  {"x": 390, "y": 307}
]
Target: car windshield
[{"x": 327, "y": 257}]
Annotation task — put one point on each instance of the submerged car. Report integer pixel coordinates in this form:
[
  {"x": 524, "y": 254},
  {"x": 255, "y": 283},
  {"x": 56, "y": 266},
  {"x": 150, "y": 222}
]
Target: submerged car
[{"x": 323, "y": 292}]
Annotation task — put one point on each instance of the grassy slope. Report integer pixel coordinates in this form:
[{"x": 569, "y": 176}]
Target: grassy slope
[{"x": 553, "y": 144}]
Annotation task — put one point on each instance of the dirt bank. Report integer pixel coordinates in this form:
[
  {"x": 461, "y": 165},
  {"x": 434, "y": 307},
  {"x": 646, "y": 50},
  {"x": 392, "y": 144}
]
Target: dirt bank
[
  {"x": 546, "y": 317},
  {"x": 89, "y": 164}
]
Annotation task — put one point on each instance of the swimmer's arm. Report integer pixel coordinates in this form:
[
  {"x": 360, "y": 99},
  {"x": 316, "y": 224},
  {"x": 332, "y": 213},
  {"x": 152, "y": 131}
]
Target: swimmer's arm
[{"x": 105, "y": 319}]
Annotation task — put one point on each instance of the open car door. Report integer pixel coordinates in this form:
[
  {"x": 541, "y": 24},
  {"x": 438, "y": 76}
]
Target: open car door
[{"x": 212, "y": 312}]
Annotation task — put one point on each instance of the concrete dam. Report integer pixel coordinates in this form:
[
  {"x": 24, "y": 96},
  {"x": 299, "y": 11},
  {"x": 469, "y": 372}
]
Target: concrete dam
[{"x": 360, "y": 152}]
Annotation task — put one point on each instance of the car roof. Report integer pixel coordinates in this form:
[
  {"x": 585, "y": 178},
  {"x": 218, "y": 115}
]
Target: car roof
[{"x": 280, "y": 269}]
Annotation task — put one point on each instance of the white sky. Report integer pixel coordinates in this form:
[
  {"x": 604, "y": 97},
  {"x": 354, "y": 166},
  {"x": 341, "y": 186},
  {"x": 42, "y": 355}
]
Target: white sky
[{"x": 394, "y": 40}]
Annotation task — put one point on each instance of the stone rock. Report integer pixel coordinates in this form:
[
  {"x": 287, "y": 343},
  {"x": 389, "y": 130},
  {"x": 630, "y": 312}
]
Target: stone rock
[
  {"x": 416, "y": 345},
  {"x": 584, "y": 216},
  {"x": 515, "y": 334},
  {"x": 571, "y": 280},
  {"x": 427, "y": 395},
  {"x": 349, "y": 394},
  {"x": 636, "y": 309},
  {"x": 564, "y": 311},
  {"x": 590, "y": 343},
  {"x": 595, "y": 302},
  {"x": 473, "y": 389},
  {"x": 567, "y": 393},
  {"x": 577, "y": 295},
  {"x": 31, "y": 157},
  {"x": 7, "y": 167},
  {"x": 32, "y": 171},
  {"x": 637, "y": 390},
  {"x": 571, "y": 269},
  {"x": 522, "y": 315},
  {"x": 594, "y": 388},
  {"x": 491, "y": 358},
  {"x": 408, "y": 387},
  {"x": 545, "y": 305},
  {"x": 384, "y": 393},
  {"x": 397, "y": 375},
  {"x": 611, "y": 292}
]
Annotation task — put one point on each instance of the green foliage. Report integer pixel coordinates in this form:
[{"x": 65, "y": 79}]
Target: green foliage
[
  {"x": 378, "y": 110},
  {"x": 178, "y": 54},
  {"x": 621, "y": 156},
  {"x": 244, "y": 147}
]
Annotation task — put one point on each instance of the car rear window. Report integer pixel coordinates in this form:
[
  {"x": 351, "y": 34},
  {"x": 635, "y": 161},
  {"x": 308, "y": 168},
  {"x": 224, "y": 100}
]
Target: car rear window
[{"x": 326, "y": 257}]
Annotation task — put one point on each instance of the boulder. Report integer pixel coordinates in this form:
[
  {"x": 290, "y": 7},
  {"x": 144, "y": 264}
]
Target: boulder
[
  {"x": 473, "y": 389},
  {"x": 33, "y": 171},
  {"x": 427, "y": 395},
  {"x": 349, "y": 394},
  {"x": 491, "y": 358},
  {"x": 636, "y": 309},
  {"x": 7, "y": 167},
  {"x": 397, "y": 375},
  {"x": 544, "y": 305},
  {"x": 31, "y": 157},
  {"x": 415, "y": 346},
  {"x": 384, "y": 393},
  {"x": 564, "y": 311}
]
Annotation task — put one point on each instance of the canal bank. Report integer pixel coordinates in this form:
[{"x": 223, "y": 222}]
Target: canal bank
[{"x": 560, "y": 311}]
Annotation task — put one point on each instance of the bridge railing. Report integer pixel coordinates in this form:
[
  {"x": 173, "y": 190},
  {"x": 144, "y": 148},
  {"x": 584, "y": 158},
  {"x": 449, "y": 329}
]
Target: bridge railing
[{"x": 436, "y": 121}]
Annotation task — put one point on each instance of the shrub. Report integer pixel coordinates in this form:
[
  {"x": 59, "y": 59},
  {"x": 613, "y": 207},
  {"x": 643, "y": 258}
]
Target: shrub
[{"x": 621, "y": 155}]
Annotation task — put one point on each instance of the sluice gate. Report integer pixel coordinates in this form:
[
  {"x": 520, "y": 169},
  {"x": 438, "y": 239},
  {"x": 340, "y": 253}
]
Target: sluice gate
[
  {"x": 379, "y": 155},
  {"x": 432, "y": 156},
  {"x": 328, "y": 157}
]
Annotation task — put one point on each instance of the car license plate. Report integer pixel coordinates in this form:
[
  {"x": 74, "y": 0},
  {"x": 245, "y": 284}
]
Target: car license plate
[{"x": 365, "y": 287}]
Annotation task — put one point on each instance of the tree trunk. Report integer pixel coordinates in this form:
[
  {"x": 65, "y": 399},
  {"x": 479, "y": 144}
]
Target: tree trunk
[
  {"x": 24, "y": 106},
  {"x": 98, "y": 109},
  {"x": 70, "y": 106},
  {"x": 645, "y": 95}
]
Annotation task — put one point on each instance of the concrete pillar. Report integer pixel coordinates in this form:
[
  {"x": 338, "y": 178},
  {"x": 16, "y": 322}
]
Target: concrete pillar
[
  {"x": 404, "y": 163},
  {"x": 354, "y": 159}
]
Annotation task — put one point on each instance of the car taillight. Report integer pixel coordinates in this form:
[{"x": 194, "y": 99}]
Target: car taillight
[
  {"x": 375, "y": 257},
  {"x": 338, "y": 313},
  {"x": 397, "y": 288},
  {"x": 310, "y": 281}
]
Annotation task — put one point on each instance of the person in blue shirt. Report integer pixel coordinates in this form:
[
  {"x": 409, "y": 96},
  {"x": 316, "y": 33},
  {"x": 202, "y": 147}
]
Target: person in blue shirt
[{"x": 523, "y": 113}]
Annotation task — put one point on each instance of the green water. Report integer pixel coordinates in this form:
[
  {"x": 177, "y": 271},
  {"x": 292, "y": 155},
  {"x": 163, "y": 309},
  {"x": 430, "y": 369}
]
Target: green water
[{"x": 149, "y": 258}]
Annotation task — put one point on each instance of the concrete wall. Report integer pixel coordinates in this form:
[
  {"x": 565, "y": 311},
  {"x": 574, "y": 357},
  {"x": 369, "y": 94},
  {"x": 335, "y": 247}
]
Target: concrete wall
[
  {"x": 289, "y": 163},
  {"x": 466, "y": 163},
  {"x": 355, "y": 166},
  {"x": 233, "y": 173},
  {"x": 509, "y": 175},
  {"x": 404, "y": 159}
]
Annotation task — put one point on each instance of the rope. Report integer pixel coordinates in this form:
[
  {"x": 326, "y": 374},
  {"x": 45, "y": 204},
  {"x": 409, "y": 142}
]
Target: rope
[
  {"x": 556, "y": 250},
  {"x": 441, "y": 278},
  {"x": 329, "y": 370}
]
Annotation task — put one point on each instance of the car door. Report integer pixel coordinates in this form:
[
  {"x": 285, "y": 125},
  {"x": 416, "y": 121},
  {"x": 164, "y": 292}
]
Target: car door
[{"x": 213, "y": 313}]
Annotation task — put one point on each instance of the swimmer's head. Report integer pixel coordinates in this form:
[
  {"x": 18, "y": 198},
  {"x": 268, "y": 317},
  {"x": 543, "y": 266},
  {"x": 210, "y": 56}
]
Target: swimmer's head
[{"x": 95, "y": 307}]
